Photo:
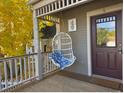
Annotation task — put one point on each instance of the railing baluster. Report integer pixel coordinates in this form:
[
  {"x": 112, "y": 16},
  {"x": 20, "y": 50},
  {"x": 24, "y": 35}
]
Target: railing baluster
[
  {"x": 67, "y": 2},
  {"x": 55, "y": 5},
  {"x": 16, "y": 70},
  {"x": 11, "y": 72},
  {"x": 43, "y": 10},
  {"x": 25, "y": 68},
  {"x": 0, "y": 79},
  {"x": 53, "y": 66},
  {"x": 20, "y": 61},
  {"x": 52, "y": 6},
  {"x": 63, "y": 3},
  {"x": 5, "y": 74},
  {"x": 50, "y": 64},
  {"x": 45, "y": 62},
  {"x": 45, "y": 65},
  {"x": 40, "y": 11},
  {"x": 59, "y": 2},
  {"x": 29, "y": 72},
  {"x": 49, "y": 7},
  {"x": 72, "y": 1},
  {"x": 33, "y": 66},
  {"x": 0, "y": 85}
]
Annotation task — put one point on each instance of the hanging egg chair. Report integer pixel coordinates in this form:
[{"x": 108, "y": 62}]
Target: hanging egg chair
[{"x": 62, "y": 52}]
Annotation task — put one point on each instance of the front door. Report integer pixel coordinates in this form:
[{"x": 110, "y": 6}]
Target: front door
[{"x": 107, "y": 44}]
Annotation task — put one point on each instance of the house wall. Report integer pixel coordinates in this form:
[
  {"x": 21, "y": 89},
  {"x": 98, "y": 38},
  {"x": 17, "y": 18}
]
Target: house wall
[{"x": 79, "y": 37}]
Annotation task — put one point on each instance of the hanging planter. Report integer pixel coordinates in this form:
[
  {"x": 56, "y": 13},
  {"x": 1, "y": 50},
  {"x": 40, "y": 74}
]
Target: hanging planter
[{"x": 48, "y": 32}]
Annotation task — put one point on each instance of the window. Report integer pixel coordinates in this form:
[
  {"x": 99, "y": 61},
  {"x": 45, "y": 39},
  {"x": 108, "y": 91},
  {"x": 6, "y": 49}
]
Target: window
[{"x": 106, "y": 32}]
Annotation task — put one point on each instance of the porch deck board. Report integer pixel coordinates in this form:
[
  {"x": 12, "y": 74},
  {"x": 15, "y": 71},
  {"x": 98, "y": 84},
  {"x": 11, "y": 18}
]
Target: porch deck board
[{"x": 59, "y": 83}]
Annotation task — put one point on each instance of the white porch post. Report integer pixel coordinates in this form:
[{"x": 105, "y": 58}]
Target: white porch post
[
  {"x": 58, "y": 25},
  {"x": 38, "y": 58}
]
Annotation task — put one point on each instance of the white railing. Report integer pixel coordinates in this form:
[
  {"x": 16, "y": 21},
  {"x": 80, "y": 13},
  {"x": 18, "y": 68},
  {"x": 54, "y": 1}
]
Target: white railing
[
  {"x": 16, "y": 71},
  {"x": 48, "y": 66}
]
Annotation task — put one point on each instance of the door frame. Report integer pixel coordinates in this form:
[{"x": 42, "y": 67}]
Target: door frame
[{"x": 104, "y": 10}]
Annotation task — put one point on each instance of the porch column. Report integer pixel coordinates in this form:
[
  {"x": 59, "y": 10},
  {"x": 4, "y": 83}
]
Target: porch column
[
  {"x": 38, "y": 58},
  {"x": 58, "y": 25}
]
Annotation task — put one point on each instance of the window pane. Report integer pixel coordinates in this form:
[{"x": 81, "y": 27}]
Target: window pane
[{"x": 106, "y": 34}]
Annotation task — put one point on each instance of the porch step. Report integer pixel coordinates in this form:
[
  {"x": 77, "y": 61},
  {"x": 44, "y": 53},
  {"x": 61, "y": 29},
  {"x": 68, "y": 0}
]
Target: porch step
[
  {"x": 107, "y": 82},
  {"x": 114, "y": 84},
  {"x": 107, "y": 78}
]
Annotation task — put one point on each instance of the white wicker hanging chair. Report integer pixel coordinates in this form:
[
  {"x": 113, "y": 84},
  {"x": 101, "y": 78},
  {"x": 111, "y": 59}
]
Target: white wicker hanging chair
[{"x": 63, "y": 42}]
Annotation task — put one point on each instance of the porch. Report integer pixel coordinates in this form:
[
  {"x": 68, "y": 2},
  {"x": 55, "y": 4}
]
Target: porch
[
  {"x": 58, "y": 83},
  {"x": 62, "y": 12},
  {"x": 30, "y": 73},
  {"x": 20, "y": 74}
]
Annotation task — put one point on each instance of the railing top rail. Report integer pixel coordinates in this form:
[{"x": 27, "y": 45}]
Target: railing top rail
[
  {"x": 2, "y": 59},
  {"x": 46, "y": 52}
]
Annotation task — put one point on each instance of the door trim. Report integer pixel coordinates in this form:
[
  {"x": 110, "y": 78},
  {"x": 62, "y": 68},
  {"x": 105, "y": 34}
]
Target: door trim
[{"x": 104, "y": 10}]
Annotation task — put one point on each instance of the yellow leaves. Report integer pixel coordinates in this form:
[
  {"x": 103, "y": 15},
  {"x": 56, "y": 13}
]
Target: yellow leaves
[
  {"x": 49, "y": 23},
  {"x": 43, "y": 24},
  {"x": 16, "y": 29}
]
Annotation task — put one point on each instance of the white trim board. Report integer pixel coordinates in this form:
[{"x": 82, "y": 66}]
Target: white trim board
[
  {"x": 58, "y": 9},
  {"x": 94, "y": 13}
]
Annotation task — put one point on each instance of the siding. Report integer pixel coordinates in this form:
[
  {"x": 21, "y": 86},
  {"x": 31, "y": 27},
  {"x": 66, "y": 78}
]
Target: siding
[{"x": 80, "y": 36}]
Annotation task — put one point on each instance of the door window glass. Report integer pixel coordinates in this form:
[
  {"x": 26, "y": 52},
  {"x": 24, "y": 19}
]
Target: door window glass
[{"x": 106, "y": 32}]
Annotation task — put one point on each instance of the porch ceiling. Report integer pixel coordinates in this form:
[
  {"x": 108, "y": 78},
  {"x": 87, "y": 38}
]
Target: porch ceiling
[{"x": 58, "y": 5}]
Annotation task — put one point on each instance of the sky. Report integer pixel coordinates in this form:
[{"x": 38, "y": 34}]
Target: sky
[{"x": 107, "y": 25}]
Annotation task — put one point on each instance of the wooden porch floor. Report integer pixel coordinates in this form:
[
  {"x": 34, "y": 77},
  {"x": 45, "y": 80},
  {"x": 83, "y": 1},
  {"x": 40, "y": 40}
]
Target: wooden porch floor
[{"x": 57, "y": 83}]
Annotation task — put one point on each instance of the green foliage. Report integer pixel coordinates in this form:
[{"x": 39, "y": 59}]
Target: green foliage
[
  {"x": 103, "y": 36},
  {"x": 43, "y": 24},
  {"x": 16, "y": 26}
]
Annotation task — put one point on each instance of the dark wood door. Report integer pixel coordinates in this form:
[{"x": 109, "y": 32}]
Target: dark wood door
[{"x": 107, "y": 44}]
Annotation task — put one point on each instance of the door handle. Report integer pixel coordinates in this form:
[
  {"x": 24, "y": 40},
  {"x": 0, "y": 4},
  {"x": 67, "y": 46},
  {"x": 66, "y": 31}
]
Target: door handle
[{"x": 120, "y": 48}]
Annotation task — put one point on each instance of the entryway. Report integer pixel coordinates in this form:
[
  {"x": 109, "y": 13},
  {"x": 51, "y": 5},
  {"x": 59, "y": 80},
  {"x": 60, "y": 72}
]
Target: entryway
[{"x": 106, "y": 38}]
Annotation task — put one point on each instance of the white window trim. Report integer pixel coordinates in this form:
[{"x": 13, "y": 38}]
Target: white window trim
[{"x": 94, "y": 13}]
